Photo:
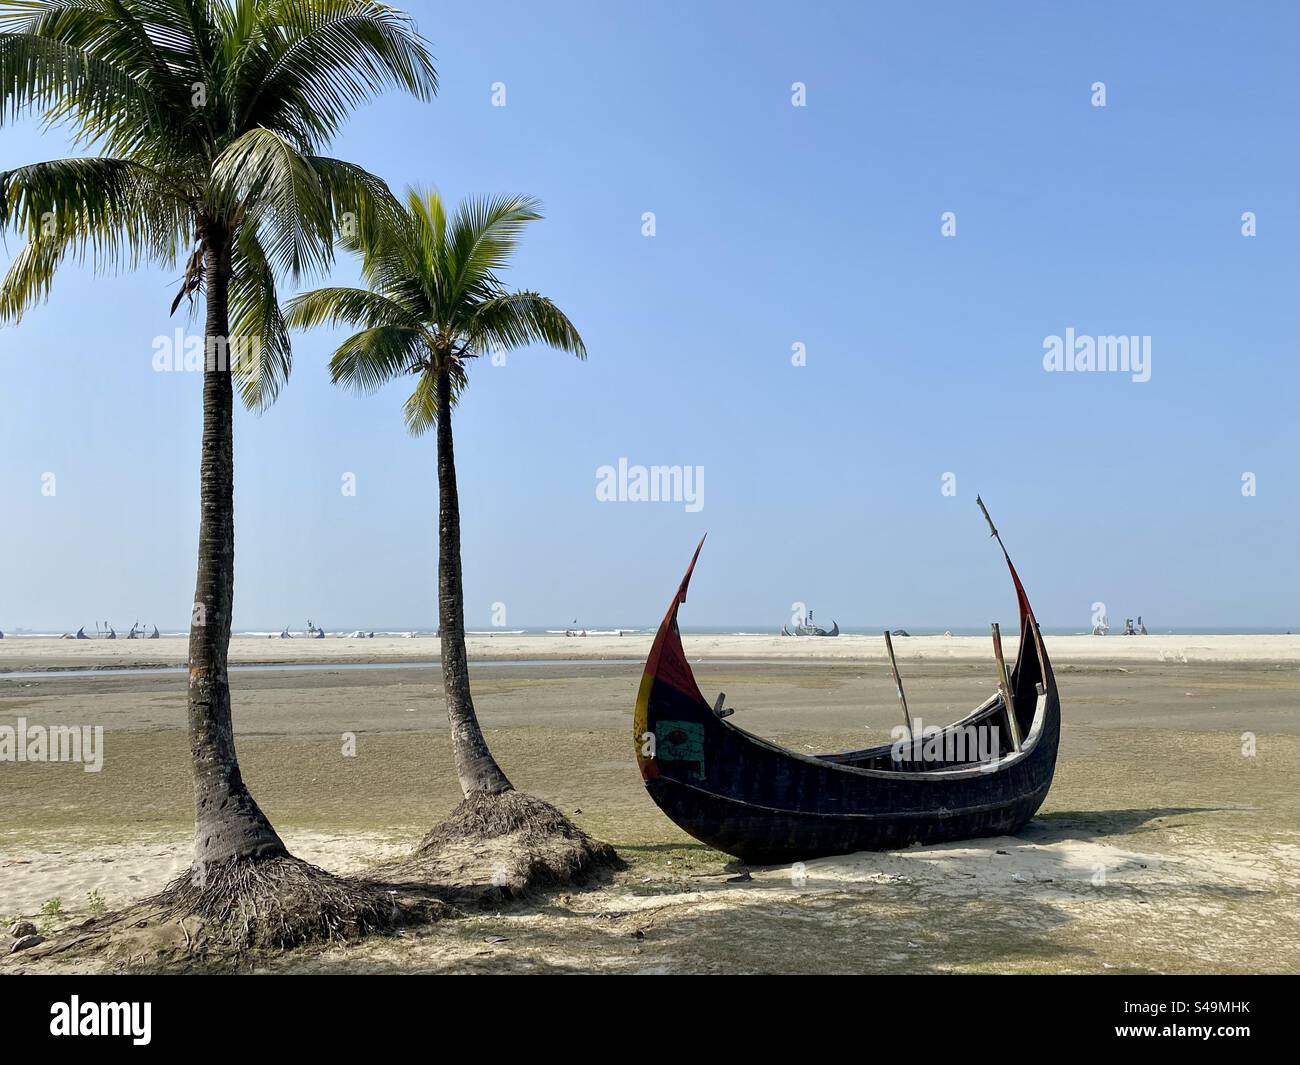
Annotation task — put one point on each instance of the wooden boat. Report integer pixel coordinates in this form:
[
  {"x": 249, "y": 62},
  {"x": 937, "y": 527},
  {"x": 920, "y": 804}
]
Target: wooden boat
[
  {"x": 809, "y": 629},
  {"x": 753, "y": 799}
]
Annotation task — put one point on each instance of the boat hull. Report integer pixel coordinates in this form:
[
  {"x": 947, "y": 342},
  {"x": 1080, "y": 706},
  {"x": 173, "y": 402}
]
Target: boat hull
[{"x": 770, "y": 836}]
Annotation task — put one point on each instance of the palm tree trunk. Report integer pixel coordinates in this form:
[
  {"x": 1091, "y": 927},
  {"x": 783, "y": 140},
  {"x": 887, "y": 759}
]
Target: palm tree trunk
[
  {"x": 228, "y": 822},
  {"x": 475, "y": 766}
]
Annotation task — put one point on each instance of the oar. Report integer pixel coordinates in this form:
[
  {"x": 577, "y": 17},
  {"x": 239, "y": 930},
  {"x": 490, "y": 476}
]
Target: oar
[
  {"x": 1004, "y": 688},
  {"x": 898, "y": 683}
]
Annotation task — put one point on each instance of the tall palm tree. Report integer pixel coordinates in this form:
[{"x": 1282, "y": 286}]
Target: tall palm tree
[
  {"x": 434, "y": 303},
  {"x": 208, "y": 116}
]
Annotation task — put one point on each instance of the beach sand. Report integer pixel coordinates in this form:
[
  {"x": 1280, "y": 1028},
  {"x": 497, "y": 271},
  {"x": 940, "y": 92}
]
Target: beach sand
[
  {"x": 37, "y": 653},
  {"x": 1163, "y": 846}
]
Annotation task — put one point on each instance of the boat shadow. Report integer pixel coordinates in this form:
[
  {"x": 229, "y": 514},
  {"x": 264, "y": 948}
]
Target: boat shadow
[{"x": 1062, "y": 825}]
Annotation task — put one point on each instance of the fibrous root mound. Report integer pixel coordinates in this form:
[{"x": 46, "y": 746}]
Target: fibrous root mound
[{"x": 508, "y": 845}]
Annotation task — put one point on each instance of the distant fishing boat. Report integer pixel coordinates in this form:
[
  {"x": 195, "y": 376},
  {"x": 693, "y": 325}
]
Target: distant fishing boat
[
  {"x": 589, "y": 632},
  {"x": 809, "y": 629},
  {"x": 106, "y": 633}
]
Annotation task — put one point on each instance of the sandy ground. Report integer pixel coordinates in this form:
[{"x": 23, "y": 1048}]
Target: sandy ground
[
  {"x": 1165, "y": 845},
  {"x": 40, "y": 653}
]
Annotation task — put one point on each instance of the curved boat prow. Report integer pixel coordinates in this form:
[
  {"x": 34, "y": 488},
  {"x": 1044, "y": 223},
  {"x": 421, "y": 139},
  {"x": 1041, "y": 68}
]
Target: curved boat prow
[
  {"x": 667, "y": 664},
  {"x": 1026, "y": 611}
]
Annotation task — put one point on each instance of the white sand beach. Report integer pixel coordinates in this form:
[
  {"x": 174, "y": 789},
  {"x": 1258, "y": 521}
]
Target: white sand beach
[{"x": 50, "y": 653}]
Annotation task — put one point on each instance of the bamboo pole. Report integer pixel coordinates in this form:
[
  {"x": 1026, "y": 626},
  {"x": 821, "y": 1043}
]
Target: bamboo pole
[
  {"x": 1004, "y": 688},
  {"x": 898, "y": 683}
]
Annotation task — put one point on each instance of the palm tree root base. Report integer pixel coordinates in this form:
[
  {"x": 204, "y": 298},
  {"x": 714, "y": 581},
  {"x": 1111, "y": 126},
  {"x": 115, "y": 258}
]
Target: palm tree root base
[
  {"x": 246, "y": 906},
  {"x": 507, "y": 846},
  {"x": 279, "y": 902}
]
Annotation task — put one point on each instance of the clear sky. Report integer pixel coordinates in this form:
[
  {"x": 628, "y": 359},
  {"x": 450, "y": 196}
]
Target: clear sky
[{"x": 776, "y": 225}]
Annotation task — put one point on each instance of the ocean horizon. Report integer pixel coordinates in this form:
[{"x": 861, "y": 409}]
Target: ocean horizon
[{"x": 700, "y": 630}]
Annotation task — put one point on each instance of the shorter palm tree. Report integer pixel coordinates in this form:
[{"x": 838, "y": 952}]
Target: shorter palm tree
[{"x": 435, "y": 302}]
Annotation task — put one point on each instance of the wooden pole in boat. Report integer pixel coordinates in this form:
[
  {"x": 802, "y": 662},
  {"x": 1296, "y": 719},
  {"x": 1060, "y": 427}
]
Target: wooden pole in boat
[
  {"x": 898, "y": 683},
  {"x": 1004, "y": 689}
]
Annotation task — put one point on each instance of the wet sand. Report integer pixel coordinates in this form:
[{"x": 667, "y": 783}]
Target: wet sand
[{"x": 1163, "y": 846}]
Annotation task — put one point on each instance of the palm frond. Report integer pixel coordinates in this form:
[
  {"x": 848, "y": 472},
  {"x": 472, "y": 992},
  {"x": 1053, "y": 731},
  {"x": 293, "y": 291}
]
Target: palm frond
[
  {"x": 368, "y": 360},
  {"x": 116, "y": 209},
  {"x": 275, "y": 188},
  {"x": 28, "y": 279},
  {"x": 258, "y": 331},
  {"x": 420, "y": 411},
  {"x": 328, "y": 57},
  {"x": 346, "y": 306},
  {"x": 98, "y": 99},
  {"x": 517, "y": 319},
  {"x": 482, "y": 237},
  {"x": 146, "y": 39},
  {"x": 360, "y": 205}
]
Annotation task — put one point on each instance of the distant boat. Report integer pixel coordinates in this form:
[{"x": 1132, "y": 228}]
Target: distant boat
[
  {"x": 809, "y": 629},
  {"x": 588, "y": 632}
]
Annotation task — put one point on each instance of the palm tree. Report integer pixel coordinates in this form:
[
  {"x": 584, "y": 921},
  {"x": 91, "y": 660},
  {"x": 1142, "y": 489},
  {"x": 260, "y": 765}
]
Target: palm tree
[
  {"x": 208, "y": 115},
  {"x": 435, "y": 302}
]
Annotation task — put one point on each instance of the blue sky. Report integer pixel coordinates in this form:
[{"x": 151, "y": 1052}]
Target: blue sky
[{"x": 775, "y": 225}]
